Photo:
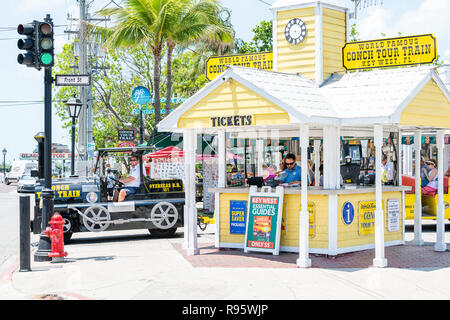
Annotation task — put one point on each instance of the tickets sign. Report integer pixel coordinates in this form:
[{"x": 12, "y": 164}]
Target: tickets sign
[
  {"x": 217, "y": 65},
  {"x": 390, "y": 52}
]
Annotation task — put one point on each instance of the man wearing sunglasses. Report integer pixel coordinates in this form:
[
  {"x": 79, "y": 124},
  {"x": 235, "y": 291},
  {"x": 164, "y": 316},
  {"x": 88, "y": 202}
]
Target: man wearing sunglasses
[
  {"x": 293, "y": 172},
  {"x": 132, "y": 182}
]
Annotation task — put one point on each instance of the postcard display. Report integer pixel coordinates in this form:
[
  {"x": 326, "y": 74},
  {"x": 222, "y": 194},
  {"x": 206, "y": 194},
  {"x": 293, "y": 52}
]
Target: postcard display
[{"x": 264, "y": 213}]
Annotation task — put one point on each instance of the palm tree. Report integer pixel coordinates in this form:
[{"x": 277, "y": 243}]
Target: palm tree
[
  {"x": 197, "y": 20},
  {"x": 137, "y": 22}
]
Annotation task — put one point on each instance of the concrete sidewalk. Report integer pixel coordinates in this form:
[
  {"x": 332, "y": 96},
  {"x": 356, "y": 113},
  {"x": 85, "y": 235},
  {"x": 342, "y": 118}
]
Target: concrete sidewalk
[{"x": 133, "y": 265}]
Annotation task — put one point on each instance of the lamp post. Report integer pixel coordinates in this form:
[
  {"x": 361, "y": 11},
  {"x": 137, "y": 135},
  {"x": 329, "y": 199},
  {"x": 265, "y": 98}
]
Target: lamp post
[
  {"x": 4, "y": 168},
  {"x": 73, "y": 108}
]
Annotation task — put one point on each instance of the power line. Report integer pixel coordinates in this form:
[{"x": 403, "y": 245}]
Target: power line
[{"x": 262, "y": 1}]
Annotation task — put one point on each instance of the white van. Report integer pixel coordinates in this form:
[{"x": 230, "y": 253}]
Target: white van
[{"x": 19, "y": 168}]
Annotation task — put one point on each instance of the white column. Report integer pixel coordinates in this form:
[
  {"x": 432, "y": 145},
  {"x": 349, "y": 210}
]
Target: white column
[
  {"x": 192, "y": 247},
  {"x": 418, "y": 240},
  {"x": 260, "y": 156},
  {"x": 331, "y": 157},
  {"x": 400, "y": 181},
  {"x": 379, "y": 260},
  {"x": 440, "y": 210},
  {"x": 187, "y": 190},
  {"x": 303, "y": 260},
  {"x": 222, "y": 181},
  {"x": 316, "y": 162}
]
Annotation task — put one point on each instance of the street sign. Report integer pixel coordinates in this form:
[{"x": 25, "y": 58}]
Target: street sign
[
  {"x": 391, "y": 52},
  {"x": 72, "y": 80},
  {"x": 91, "y": 146},
  {"x": 217, "y": 65}
]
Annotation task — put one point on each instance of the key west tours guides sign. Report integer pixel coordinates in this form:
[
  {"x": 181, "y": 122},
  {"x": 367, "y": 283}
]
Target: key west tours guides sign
[
  {"x": 217, "y": 65},
  {"x": 264, "y": 220},
  {"x": 391, "y": 52}
]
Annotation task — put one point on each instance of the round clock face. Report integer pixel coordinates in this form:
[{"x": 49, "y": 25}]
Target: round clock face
[{"x": 295, "y": 31}]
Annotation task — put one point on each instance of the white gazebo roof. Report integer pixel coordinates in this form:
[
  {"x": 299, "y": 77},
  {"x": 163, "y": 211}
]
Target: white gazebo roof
[{"x": 357, "y": 98}]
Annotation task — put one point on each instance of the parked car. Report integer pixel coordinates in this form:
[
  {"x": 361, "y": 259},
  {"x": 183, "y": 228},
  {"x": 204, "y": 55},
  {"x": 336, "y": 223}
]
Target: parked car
[
  {"x": 18, "y": 169},
  {"x": 26, "y": 184}
]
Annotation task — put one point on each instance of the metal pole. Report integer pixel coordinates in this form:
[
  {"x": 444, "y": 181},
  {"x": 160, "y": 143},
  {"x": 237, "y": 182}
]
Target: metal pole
[
  {"x": 141, "y": 128},
  {"x": 72, "y": 161},
  {"x": 25, "y": 259},
  {"x": 44, "y": 247}
]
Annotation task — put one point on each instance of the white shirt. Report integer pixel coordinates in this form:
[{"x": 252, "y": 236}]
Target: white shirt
[{"x": 134, "y": 172}]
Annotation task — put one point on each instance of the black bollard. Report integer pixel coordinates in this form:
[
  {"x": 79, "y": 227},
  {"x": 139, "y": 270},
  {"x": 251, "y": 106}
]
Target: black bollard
[{"x": 25, "y": 258}]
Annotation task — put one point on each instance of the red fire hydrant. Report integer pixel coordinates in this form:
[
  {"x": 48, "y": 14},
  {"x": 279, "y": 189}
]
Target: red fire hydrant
[{"x": 55, "y": 233}]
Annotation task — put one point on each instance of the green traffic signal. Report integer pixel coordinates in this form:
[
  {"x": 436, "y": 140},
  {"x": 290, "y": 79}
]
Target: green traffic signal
[
  {"x": 45, "y": 43},
  {"x": 46, "y": 59}
]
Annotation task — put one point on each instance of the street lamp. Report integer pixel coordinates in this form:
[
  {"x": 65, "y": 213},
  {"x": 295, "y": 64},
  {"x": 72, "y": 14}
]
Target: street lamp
[
  {"x": 4, "y": 168},
  {"x": 73, "y": 109}
]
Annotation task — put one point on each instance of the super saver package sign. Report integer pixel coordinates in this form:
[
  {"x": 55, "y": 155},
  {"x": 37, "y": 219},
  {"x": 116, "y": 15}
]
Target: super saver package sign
[{"x": 264, "y": 221}]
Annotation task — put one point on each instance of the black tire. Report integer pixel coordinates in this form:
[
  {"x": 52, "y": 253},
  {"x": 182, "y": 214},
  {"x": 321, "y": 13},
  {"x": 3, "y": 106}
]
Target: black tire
[
  {"x": 7, "y": 182},
  {"x": 67, "y": 237},
  {"x": 163, "y": 233},
  {"x": 68, "y": 229}
]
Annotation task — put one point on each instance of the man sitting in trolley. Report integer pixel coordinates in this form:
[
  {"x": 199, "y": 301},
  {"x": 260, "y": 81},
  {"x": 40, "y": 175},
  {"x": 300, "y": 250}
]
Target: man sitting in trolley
[{"x": 131, "y": 183}]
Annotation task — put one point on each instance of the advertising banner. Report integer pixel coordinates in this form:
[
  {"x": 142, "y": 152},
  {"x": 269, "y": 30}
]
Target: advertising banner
[
  {"x": 238, "y": 210},
  {"x": 263, "y": 223},
  {"x": 402, "y": 51},
  {"x": 366, "y": 218}
]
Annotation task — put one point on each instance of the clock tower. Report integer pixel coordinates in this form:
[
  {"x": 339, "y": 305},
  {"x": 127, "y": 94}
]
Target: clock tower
[{"x": 308, "y": 37}]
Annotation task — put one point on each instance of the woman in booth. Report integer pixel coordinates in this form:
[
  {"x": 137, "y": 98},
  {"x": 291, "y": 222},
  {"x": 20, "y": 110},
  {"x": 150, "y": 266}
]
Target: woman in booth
[{"x": 432, "y": 176}]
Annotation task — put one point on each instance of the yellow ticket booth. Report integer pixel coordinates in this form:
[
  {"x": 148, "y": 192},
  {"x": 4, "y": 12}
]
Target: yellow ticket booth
[{"x": 309, "y": 95}]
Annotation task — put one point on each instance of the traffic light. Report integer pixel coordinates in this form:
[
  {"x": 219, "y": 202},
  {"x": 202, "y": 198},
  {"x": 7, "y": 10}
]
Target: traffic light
[
  {"x": 29, "y": 58},
  {"x": 45, "y": 44}
]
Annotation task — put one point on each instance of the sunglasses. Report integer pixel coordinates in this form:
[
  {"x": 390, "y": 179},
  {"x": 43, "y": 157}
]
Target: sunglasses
[
  {"x": 134, "y": 160},
  {"x": 290, "y": 163}
]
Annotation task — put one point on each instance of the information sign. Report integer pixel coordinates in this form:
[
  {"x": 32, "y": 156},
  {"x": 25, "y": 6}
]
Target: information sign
[
  {"x": 390, "y": 52},
  {"x": 72, "y": 80},
  {"x": 217, "y": 65},
  {"x": 263, "y": 223},
  {"x": 238, "y": 210},
  {"x": 125, "y": 134},
  {"x": 348, "y": 213},
  {"x": 393, "y": 215}
]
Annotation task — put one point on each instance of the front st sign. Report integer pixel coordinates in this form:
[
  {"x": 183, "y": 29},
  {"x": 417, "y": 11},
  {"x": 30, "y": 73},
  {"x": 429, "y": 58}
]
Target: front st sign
[
  {"x": 72, "y": 80},
  {"x": 391, "y": 52}
]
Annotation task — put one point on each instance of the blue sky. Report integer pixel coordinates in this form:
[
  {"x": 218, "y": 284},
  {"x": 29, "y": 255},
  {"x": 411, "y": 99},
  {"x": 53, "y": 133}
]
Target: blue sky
[{"x": 18, "y": 83}]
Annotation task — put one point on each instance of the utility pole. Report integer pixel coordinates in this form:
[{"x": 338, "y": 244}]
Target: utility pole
[{"x": 82, "y": 69}]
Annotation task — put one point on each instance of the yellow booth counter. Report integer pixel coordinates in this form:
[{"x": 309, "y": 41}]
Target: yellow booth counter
[
  {"x": 309, "y": 96},
  {"x": 330, "y": 232}
]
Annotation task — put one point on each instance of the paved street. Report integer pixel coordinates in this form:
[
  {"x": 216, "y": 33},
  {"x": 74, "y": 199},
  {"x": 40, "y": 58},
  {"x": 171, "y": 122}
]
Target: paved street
[{"x": 133, "y": 265}]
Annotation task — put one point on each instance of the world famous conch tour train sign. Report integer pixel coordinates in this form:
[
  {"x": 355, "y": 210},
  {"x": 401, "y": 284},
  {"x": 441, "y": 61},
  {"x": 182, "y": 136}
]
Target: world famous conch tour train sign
[
  {"x": 391, "y": 52},
  {"x": 217, "y": 65}
]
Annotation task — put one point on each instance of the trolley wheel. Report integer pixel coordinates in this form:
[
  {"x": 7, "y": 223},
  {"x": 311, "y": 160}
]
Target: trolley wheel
[
  {"x": 163, "y": 233},
  {"x": 67, "y": 229}
]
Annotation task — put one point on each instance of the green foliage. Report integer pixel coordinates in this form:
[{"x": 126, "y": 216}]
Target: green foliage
[{"x": 261, "y": 41}]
